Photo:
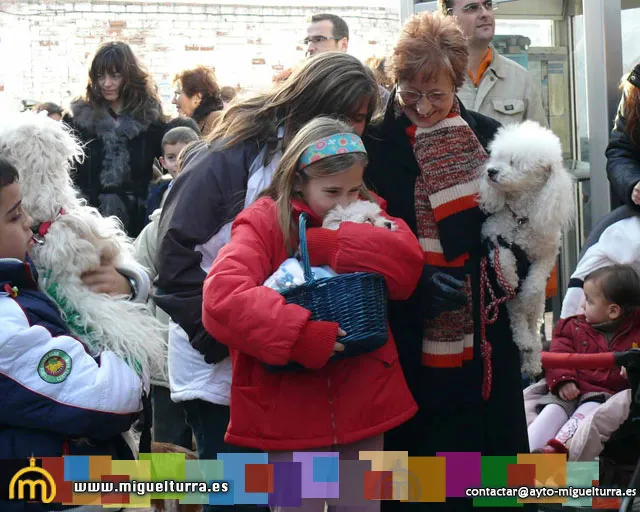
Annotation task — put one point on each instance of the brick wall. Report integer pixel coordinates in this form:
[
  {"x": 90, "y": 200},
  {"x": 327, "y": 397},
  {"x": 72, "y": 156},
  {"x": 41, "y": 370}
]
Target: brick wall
[{"x": 46, "y": 45}]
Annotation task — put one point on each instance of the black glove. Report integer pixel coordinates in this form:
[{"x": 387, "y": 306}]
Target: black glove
[
  {"x": 441, "y": 292},
  {"x": 212, "y": 350}
]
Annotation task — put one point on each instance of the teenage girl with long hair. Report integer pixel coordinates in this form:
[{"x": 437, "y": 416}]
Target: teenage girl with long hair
[{"x": 119, "y": 119}]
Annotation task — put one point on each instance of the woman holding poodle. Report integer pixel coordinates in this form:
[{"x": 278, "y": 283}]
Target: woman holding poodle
[
  {"x": 218, "y": 180},
  {"x": 623, "y": 152},
  {"x": 121, "y": 124},
  {"x": 197, "y": 96},
  {"x": 424, "y": 156}
]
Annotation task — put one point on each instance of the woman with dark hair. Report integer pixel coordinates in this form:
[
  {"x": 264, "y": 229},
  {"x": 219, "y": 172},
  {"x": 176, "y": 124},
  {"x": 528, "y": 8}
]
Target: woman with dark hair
[
  {"x": 623, "y": 152},
  {"x": 219, "y": 178},
  {"x": 197, "y": 96},
  {"x": 424, "y": 158},
  {"x": 121, "y": 124}
]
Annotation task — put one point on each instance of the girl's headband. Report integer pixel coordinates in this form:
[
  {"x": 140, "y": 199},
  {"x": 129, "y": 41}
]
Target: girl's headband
[{"x": 338, "y": 144}]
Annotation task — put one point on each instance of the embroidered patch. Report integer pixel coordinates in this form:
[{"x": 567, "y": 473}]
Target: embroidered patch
[{"x": 55, "y": 366}]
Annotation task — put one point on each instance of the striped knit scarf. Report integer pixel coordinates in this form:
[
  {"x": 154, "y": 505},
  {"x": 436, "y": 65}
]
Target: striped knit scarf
[{"x": 449, "y": 157}]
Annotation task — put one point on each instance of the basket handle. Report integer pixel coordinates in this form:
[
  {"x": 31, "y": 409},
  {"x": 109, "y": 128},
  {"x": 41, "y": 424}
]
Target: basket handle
[{"x": 304, "y": 253}]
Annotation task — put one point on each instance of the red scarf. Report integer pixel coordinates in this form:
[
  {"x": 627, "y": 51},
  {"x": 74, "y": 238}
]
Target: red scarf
[{"x": 449, "y": 157}]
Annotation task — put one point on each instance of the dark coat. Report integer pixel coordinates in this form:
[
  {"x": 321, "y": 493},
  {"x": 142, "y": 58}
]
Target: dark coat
[
  {"x": 453, "y": 416},
  {"x": 623, "y": 160},
  {"x": 109, "y": 151}
]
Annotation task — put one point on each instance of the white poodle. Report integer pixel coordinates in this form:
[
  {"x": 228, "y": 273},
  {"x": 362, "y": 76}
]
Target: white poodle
[
  {"x": 78, "y": 239},
  {"x": 360, "y": 212},
  {"x": 529, "y": 197}
]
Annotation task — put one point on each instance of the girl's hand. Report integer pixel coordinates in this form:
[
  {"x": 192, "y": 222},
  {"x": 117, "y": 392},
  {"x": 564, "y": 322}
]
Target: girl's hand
[
  {"x": 106, "y": 279},
  {"x": 339, "y": 347},
  {"x": 569, "y": 391}
]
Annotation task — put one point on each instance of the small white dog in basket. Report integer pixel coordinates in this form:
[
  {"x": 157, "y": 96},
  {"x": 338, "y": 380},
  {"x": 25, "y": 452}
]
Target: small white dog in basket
[
  {"x": 291, "y": 274},
  {"x": 75, "y": 238},
  {"x": 529, "y": 197}
]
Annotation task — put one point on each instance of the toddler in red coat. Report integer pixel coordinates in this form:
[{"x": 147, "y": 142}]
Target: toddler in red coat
[
  {"x": 611, "y": 322},
  {"x": 339, "y": 405}
]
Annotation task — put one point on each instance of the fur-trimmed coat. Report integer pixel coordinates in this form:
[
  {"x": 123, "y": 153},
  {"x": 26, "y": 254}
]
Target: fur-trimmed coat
[{"x": 115, "y": 174}]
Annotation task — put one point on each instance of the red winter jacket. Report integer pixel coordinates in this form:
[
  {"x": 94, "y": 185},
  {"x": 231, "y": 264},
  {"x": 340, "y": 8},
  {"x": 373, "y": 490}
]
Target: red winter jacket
[
  {"x": 338, "y": 402},
  {"x": 575, "y": 335}
]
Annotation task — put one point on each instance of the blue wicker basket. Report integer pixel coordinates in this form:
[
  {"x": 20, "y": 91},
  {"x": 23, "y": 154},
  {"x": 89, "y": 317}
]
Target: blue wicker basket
[{"x": 357, "y": 302}]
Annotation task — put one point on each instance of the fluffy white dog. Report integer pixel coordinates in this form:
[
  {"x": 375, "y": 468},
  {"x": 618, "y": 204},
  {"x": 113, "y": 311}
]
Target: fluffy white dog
[
  {"x": 530, "y": 198},
  {"x": 361, "y": 212},
  {"x": 78, "y": 239}
]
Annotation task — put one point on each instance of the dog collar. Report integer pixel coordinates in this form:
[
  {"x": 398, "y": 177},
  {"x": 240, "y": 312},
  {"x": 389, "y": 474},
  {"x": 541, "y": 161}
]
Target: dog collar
[{"x": 42, "y": 229}]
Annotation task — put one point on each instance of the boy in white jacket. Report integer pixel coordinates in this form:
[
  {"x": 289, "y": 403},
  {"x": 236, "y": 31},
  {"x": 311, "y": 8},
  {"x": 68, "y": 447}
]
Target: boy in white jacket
[{"x": 57, "y": 399}]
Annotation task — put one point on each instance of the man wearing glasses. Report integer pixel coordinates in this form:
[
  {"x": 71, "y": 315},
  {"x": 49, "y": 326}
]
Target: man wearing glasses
[
  {"x": 326, "y": 33},
  {"x": 496, "y": 86}
]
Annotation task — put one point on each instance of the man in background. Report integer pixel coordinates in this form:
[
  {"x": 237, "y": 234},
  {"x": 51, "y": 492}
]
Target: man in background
[
  {"x": 327, "y": 33},
  {"x": 330, "y": 33},
  {"x": 496, "y": 86}
]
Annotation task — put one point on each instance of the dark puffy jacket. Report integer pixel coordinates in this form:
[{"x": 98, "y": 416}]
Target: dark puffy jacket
[
  {"x": 207, "y": 195},
  {"x": 623, "y": 160}
]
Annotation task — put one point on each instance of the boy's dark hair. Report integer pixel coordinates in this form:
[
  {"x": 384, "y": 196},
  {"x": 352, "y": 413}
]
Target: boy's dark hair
[
  {"x": 8, "y": 173},
  {"x": 227, "y": 93},
  {"x": 620, "y": 284},
  {"x": 50, "y": 107},
  {"x": 179, "y": 135},
  {"x": 340, "y": 27},
  {"x": 182, "y": 121}
]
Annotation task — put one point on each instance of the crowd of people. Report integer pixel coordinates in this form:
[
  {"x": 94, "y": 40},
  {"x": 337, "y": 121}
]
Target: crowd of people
[{"x": 214, "y": 199}]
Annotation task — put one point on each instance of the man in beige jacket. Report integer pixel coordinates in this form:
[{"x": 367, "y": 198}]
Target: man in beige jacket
[{"x": 496, "y": 86}]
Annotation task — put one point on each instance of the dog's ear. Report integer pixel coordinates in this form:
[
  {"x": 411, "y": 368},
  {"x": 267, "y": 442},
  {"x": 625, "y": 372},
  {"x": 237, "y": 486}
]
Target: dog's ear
[
  {"x": 490, "y": 199},
  {"x": 555, "y": 204}
]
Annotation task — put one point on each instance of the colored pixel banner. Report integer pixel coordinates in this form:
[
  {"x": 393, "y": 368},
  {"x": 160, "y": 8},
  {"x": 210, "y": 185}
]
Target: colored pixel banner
[{"x": 249, "y": 478}]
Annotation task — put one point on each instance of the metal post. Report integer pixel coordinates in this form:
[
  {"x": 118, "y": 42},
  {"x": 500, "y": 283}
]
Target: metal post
[
  {"x": 406, "y": 10},
  {"x": 603, "y": 50}
]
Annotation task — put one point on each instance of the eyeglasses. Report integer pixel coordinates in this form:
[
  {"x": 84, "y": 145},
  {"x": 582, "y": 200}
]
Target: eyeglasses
[
  {"x": 410, "y": 97},
  {"x": 318, "y": 39},
  {"x": 474, "y": 7}
]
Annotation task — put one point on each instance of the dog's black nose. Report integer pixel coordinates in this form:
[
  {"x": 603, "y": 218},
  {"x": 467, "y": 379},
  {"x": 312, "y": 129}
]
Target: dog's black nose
[
  {"x": 492, "y": 172},
  {"x": 388, "y": 225}
]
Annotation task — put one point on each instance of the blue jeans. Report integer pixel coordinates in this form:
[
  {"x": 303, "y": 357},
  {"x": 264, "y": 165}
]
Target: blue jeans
[{"x": 209, "y": 424}]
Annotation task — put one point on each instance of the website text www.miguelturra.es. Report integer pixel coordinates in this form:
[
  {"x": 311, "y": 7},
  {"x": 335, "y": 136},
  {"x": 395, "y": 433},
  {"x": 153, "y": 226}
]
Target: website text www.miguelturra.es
[{"x": 142, "y": 488}]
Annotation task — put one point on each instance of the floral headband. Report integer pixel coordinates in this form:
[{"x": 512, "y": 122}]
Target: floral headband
[{"x": 338, "y": 144}]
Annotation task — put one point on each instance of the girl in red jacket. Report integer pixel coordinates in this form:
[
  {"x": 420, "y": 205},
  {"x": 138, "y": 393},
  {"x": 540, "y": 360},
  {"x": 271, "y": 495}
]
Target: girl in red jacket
[
  {"x": 344, "y": 405},
  {"x": 611, "y": 322}
]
